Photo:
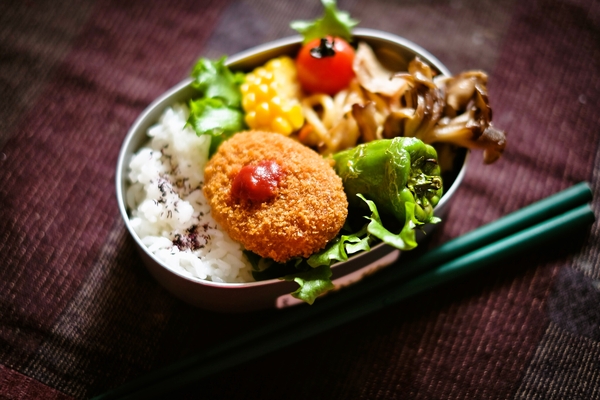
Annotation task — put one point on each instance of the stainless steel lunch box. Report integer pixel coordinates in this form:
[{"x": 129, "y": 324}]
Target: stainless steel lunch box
[{"x": 395, "y": 53}]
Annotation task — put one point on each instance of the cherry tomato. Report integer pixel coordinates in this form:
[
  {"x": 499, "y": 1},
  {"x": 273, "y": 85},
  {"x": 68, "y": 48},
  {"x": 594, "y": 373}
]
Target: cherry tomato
[{"x": 325, "y": 65}]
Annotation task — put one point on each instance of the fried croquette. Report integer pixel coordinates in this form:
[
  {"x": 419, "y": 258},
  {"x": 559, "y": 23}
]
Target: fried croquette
[{"x": 307, "y": 206}]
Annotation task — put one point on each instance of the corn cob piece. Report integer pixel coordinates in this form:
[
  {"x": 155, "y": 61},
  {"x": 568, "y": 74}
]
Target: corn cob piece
[{"x": 270, "y": 97}]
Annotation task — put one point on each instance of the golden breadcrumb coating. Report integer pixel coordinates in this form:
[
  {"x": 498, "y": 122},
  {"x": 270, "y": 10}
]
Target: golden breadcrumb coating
[{"x": 309, "y": 207}]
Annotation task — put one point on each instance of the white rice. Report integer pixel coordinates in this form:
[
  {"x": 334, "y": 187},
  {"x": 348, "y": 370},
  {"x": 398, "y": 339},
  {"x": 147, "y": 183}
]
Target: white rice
[{"x": 168, "y": 209}]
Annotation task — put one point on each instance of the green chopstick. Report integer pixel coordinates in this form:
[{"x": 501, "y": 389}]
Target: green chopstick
[
  {"x": 348, "y": 305},
  {"x": 502, "y": 250},
  {"x": 532, "y": 214},
  {"x": 509, "y": 224}
]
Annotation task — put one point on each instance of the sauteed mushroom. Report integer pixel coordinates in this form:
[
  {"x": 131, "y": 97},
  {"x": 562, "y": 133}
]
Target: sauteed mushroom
[
  {"x": 468, "y": 120},
  {"x": 442, "y": 109}
]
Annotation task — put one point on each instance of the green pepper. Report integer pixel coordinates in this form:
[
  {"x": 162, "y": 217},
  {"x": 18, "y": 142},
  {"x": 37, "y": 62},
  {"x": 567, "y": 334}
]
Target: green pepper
[
  {"x": 397, "y": 177},
  {"x": 393, "y": 174}
]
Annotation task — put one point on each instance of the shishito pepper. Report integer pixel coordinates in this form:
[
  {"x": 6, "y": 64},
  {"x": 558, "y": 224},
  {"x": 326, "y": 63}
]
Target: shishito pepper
[{"x": 397, "y": 177}]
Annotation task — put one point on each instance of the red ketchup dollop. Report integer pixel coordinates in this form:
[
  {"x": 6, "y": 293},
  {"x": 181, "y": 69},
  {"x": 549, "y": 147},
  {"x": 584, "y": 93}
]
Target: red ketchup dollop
[{"x": 257, "y": 182}]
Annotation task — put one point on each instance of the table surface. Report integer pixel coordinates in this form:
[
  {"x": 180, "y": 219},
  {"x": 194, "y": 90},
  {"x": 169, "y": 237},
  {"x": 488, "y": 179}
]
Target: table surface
[{"x": 79, "y": 313}]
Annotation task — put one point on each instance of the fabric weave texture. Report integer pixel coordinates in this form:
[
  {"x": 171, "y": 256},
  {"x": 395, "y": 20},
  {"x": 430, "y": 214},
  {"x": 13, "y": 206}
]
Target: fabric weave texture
[{"x": 79, "y": 313}]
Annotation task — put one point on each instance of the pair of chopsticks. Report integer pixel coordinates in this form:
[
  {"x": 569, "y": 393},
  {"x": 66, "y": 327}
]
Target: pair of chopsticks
[{"x": 557, "y": 216}]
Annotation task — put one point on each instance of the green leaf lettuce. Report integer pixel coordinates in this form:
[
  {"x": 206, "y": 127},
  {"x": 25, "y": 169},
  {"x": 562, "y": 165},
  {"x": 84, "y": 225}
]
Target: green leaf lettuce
[
  {"x": 217, "y": 112},
  {"x": 214, "y": 80},
  {"x": 313, "y": 283},
  {"x": 210, "y": 116}
]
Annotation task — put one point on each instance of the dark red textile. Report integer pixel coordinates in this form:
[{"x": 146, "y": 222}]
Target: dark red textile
[{"x": 79, "y": 314}]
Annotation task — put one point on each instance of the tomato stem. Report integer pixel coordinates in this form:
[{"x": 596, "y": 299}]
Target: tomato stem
[{"x": 324, "y": 49}]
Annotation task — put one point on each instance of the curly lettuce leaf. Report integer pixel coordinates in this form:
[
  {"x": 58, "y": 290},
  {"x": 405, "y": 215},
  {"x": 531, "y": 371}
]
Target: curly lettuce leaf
[
  {"x": 214, "y": 80},
  {"x": 313, "y": 283},
  {"x": 406, "y": 239},
  {"x": 339, "y": 248},
  {"x": 313, "y": 275},
  {"x": 217, "y": 112},
  {"x": 211, "y": 116},
  {"x": 333, "y": 23}
]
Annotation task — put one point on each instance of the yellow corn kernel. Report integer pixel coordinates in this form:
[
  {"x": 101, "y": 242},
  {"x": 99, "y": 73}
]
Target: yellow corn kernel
[
  {"x": 264, "y": 75},
  {"x": 275, "y": 105},
  {"x": 249, "y": 100},
  {"x": 260, "y": 71},
  {"x": 295, "y": 116},
  {"x": 264, "y": 92},
  {"x": 263, "y": 115},
  {"x": 252, "y": 81},
  {"x": 274, "y": 63},
  {"x": 250, "y": 119},
  {"x": 281, "y": 125}
]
